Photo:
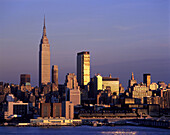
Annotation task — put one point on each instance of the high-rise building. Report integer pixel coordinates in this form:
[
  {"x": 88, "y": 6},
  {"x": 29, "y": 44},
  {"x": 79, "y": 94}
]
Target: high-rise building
[
  {"x": 72, "y": 89},
  {"x": 56, "y": 110},
  {"x": 132, "y": 81},
  {"x": 83, "y": 68},
  {"x": 55, "y": 74},
  {"x": 44, "y": 59},
  {"x": 147, "y": 79},
  {"x": 45, "y": 109},
  {"x": 111, "y": 84},
  {"x": 24, "y": 78},
  {"x": 68, "y": 110}
]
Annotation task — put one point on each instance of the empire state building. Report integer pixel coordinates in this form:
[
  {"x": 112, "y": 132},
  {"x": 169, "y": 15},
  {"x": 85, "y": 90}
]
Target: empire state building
[{"x": 44, "y": 59}]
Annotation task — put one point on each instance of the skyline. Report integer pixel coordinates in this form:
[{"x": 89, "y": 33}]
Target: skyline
[{"x": 132, "y": 41}]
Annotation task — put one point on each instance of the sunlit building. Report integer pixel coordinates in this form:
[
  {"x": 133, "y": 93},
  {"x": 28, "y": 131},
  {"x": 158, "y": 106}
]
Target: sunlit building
[
  {"x": 44, "y": 59},
  {"x": 83, "y": 68}
]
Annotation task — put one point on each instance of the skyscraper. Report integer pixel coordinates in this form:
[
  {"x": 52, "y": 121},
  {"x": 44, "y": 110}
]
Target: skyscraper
[
  {"x": 83, "y": 68},
  {"x": 147, "y": 79},
  {"x": 55, "y": 75},
  {"x": 132, "y": 81},
  {"x": 44, "y": 59}
]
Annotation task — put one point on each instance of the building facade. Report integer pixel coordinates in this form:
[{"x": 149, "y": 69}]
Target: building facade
[
  {"x": 44, "y": 59},
  {"x": 72, "y": 89},
  {"x": 147, "y": 79},
  {"x": 55, "y": 74},
  {"x": 83, "y": 68}
]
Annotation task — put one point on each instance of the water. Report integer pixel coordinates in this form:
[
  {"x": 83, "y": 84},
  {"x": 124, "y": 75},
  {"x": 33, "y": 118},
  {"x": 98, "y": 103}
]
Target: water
[{"x": 84, "y": 130}]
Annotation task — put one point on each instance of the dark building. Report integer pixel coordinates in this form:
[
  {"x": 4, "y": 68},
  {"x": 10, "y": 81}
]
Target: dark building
[
  {"x": 20, "y": 109},
  {"x": 25, "y": 78},
  {"x": 45, "y": 110},
  {"x": 55, "y": 75},
  {"x": 56, "y": 110},
  {"x": 147, "y": 79}
]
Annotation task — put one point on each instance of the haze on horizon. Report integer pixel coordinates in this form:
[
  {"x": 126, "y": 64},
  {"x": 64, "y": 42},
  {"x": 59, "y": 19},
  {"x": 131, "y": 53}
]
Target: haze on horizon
[{"x": 121, "y": 36}]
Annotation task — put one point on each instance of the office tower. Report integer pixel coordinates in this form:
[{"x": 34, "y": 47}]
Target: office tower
[
  {"x": 24, "y": 78},
  {"x": 44, "y": 59},
  {"x": 55, "y": 74},
  {"x": 95, "y": 85},
  {"x": 147, "y": 79},
  {"x": 72, "y": 89},
  {"x": 132, "y": 81},
  {"x": 83, "y": 68},
  {"x": 111, "y": 84}
]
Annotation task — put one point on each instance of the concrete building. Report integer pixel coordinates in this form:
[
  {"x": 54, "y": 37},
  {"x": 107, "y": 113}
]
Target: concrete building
[
  {"x": 147, "y": 79},
  {"x": 112, "y": 84},
  {"x": 55, "y": 75},
  {"x": 44, "y": 59},
  {"x": 72, "y": 89},
  {"x": 25, "y": 78},
  {"x": 68, "y": 110},
  {"x": 83, "y": 68}
]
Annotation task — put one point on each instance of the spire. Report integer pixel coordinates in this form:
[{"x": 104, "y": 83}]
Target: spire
[
  {"x": 132, "y": 77},
  {"x": 44, "y": 28}
]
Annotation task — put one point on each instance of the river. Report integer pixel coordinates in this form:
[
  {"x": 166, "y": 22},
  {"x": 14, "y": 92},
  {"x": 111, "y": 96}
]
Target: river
[{"x": 84, "y": 130}]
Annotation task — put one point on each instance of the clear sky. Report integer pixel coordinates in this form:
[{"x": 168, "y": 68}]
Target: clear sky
[{"x": 123, "y": 36}]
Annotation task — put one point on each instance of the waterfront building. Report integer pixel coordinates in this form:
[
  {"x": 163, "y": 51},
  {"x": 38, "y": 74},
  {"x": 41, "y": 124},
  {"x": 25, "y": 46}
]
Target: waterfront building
[
  {"x": 147, "y": 79},
  {"x": 83, "y": 68},
  {"x": 44, "y": 59},
  {"x": 68, "y": 110},
  {"x": 110, "y": 83},
  {"x": 45, "y": 109},
  {"x": 72, "y": 89},
  {"x": 56, "y": 110},
  {"x": 25, "y": 78},
  {"x": 16, "y": 108}
]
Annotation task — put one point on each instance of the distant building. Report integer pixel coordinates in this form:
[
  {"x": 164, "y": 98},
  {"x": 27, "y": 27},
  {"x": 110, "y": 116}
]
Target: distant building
[
  {"x": 132, "y": 81},
  {"x": 17, "y": 108},
  {"x": 147, "y": 79},
  {"x": 25, "y": 78},
  {"x": 55, "y": 75},
  {"x": 72, "y": 89},
  {"x": 162, "y": 85},
  {"x": 83, "y": 68},
  {"x": 153, "y": 86},
  {"x": 68, "y": 110},
  {"x": 45, "y": 110},
  {"x": 97, "y": 85},
  {"x": 44, "y": 59},
  {"x": 140, "y": 91},
  {"x": 56, "y": 110},
  {"x": 112, "y": 84}
]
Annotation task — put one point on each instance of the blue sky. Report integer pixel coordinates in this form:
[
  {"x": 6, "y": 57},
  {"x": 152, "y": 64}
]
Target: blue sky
[{"x": 123, "y": 36}]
